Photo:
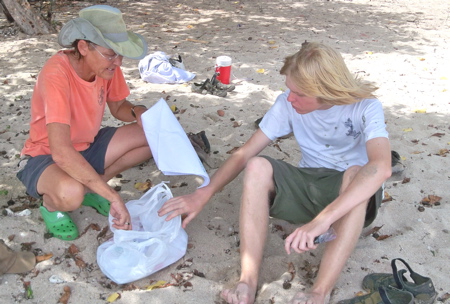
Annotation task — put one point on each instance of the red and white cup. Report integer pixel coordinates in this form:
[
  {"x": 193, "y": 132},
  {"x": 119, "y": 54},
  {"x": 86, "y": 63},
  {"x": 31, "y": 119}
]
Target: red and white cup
[{"x": 223, "y": 68}]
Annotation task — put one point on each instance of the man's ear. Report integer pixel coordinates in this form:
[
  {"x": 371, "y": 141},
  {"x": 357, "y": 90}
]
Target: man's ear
[{"x": 83, "y": 47}]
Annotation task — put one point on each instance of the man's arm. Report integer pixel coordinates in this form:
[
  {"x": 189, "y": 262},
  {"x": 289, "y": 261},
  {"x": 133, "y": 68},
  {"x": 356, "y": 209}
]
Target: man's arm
[
  {"x": 192, "y": 204},
  {"x": 365, "y": 183}
]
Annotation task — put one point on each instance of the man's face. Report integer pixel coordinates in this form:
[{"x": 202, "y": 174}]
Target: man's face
[{"x": 301, "y": 103}]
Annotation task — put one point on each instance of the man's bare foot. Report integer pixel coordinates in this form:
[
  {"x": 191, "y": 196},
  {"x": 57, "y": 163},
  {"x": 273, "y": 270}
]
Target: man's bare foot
[
  {"x": 240, "y": 294},
  {"x": 308, "y": 298}
]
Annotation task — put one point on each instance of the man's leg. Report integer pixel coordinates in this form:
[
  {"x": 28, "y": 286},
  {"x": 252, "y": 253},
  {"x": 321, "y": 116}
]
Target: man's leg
[
  {"x": 253, "y": 224},
  {"x": 337, "y": 252},
  {"x": 127, "y": 148}
]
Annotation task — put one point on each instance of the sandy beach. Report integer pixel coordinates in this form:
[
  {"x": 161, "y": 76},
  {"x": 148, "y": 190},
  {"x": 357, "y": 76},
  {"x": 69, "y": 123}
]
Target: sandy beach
[{"x": 402, "y": 46}]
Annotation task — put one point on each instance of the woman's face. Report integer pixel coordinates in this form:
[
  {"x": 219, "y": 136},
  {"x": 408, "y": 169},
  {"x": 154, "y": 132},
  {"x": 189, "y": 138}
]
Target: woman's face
[{"x": 99, "y": 61}]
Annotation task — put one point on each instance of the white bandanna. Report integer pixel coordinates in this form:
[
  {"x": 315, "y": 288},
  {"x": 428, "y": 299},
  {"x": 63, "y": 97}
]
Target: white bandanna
[{"x": 156, "y": 68}]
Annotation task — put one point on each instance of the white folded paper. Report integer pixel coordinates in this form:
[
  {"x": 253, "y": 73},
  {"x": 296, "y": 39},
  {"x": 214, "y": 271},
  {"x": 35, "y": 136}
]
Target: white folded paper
[{"x": 171, "y": 148}]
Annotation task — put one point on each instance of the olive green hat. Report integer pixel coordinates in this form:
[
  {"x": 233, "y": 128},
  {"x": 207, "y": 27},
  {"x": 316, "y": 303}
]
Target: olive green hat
[{"x": 103, "y": 25}]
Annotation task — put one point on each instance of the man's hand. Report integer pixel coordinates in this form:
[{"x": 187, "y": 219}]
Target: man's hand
[
  {"x": 190, "y": 205},
  {"x": 122, "y": 218},
  {"x": 302, "y": 239}
]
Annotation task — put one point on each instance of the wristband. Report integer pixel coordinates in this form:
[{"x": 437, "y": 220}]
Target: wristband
[{"x": 132, "y": 109}]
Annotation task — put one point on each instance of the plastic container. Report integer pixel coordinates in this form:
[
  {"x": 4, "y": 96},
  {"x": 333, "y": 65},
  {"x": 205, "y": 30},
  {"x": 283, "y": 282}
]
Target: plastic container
[{"x": 223, "y": 67}]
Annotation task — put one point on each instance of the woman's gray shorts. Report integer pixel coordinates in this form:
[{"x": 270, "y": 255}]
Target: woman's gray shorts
[
  {"x": 95, "y": 155},
  {"x": 302, "y": 193}
]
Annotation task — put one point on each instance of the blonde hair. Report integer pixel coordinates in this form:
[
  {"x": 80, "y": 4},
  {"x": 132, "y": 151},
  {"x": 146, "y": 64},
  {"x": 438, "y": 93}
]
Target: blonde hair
[{"x": 319, "y": 71}]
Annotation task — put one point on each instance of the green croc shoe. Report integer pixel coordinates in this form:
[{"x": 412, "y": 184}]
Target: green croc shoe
[
  {"x": 59, "y": 224},
  {"x": 384, "y": 295},
  {"x": 421, "y": 288},
  {"x": 99, "y": 203}
]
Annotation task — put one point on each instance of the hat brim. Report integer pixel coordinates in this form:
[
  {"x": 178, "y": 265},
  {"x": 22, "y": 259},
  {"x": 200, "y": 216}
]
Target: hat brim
[{"x": 134, "y": 47}]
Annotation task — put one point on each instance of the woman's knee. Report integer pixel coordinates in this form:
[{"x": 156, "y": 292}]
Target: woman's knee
[
  {"x": 131, "y": 133},
  {"x": 68, "y": 195}
]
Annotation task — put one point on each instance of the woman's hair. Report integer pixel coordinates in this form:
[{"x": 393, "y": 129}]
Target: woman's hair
[
  {"x": 319, "y": 71},
  {"x": 76, "y": 51}
]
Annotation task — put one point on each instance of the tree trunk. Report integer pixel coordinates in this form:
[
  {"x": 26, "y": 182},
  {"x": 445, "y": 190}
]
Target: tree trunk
[{"x": 29, "y": 20}]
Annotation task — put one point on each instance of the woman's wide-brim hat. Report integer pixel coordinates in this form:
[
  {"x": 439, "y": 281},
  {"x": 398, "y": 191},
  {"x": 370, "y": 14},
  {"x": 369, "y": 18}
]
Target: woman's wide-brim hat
[{"x": 103, "y": 25}]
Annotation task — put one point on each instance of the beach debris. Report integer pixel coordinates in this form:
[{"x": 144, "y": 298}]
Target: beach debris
[
  {"x": 311, "y": 271},
  {"x": 25, "y": 212},
  {"x": 182, "y": 278},
  {"x": 406, "y": 180},
  {"x": 232, "y": 150},
  {"x": 28, "y": 290},
  {"x": 159, "y": 284},
  {"x": 92, "y": 226},
  {"x": 373, "y": 230},
  {"x": 144, "y": 186},
  {"x": 387, "y": 197},
  {"x": 195, "y": 40},
  {"x": 438, "y": 134},
  {"x": 54, "y": 279},
  {"x": 431, "y": 200},
  {"x": 179, "y": 185},
  {"x": 9, "y": 212},
  {"x": 420, "y": 111},
  {"x": 64, "y": 299},
  {"x": 130, "y": 287},
  {"x": 44, "y": 257},
  {"x": 221, "y": 113},
  {"x": 186, "y": 264},
  {"x": 102, "y": 233},
  {"x": 113, "y": 297},
  {"x": 407, "y": 129},
  {"x": 73, "y": 252},
  {"x": 443, "y": 152},
  {"x": 198, "y": 273},
  {"x": 291, "y": 272},
  {"x": 26, "y": 246},
  {"x": 444, "y": 297},
  {"x": 382, "y": 237}
]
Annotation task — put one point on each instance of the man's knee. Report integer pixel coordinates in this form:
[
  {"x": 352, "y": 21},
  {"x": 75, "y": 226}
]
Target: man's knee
[{"x": 259, "y": 165}]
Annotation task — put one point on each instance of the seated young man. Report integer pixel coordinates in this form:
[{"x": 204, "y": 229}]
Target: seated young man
[{"x": 346, "y": 157}]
